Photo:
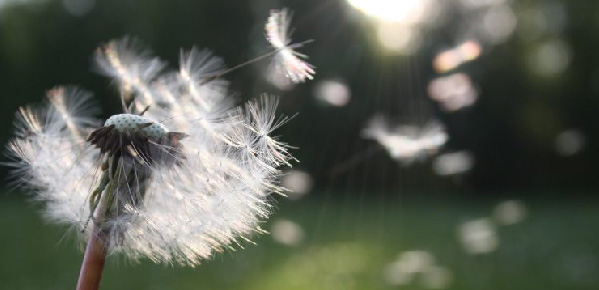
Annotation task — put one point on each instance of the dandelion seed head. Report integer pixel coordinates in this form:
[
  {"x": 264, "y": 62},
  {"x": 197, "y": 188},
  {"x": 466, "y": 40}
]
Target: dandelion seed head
[{"x": 183, "y": 175}]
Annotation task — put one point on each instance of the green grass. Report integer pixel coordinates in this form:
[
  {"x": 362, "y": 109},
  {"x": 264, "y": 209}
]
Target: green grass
[{"x": 347, "y": 246}]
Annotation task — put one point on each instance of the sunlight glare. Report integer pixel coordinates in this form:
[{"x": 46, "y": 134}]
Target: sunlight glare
[
  {"x": 404, "y": 11},
  {"x": 398, "y": 38}
]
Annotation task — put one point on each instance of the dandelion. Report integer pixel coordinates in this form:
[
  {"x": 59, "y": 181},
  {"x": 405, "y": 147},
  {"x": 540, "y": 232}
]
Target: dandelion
[
  {"x": 287, "y": 62},
  {"x": 180, "y": 174},
  {"x": 406, "y": 143}
]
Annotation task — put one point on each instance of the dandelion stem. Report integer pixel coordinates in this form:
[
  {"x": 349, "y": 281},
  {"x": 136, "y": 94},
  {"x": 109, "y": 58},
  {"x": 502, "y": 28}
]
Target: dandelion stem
[
  {"x": 93, "y": 262},
  {"x": 90, "y": 275}
]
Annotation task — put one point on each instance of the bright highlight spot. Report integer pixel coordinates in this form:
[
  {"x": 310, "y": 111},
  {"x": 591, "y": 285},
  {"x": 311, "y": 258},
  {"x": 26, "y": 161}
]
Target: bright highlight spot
[
  {"x": 509, "y": 212},
  {"x": 551, "y": 58},
  {"x": 453, "y": 163},
  {"x": 452, "y": 58},
  {"x": 477, "y": 4},
  {"x": 436, "y": 277},
  {"x": 411, "y": 265},
  {"x": 416, "y": 261},
  {"x": 78, "y": 7},
  {"x": 401, "y": 11},
  {"x": 478, "y": 236},
  {"x": 498, "y": 24},
  {"x": 297, "y": 182},
  {"x": 398, "y": 38},
  {"x": 332, "y": 92},
  {"x": 569, "y": 142},
  {"x": 453, "y": 92},
  {"x": 287, "y": 232}
]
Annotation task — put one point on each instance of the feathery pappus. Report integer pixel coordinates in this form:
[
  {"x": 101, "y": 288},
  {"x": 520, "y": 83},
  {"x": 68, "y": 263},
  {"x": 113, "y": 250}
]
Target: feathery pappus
[
  {"x": 287, "y": 63},
  {"x": 179, "y": 174},
  {"x": 406, "y": 143}
]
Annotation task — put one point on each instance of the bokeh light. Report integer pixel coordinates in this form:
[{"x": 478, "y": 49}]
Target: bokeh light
[
  {"x": 78, "y": 7},
  {"x": 414, "y": 265},
  {"x": 287, "y": 232},
  {"x": 332, "y": 92},
  {"x": 450, "y": 59},
  {"x": 550, "y": 58},
  {"x": 299, "y": 183},
  {"x": 569, "y": 142},
  {"x": 405, "y": 11},
  {"x": 443, "y": 144},
  {"x": 509, "y": 212},
  {"x": 398, "y": 38},
  {"x": 453, "y": 163},
  {"x": 436, "y": 277},
  {"x": 498, "y": 24},
  {"x": 478, "y": 236},
  {"x": 408, "y": 263},
  {"x": 453, "y": 92}
]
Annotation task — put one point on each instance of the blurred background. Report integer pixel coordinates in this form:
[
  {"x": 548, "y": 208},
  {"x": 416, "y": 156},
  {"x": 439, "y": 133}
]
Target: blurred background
[{"x": 443, "y": 144}]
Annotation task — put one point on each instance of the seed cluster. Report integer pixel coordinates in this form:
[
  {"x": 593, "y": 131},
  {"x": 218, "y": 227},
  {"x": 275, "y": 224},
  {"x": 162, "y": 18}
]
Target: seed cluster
[{"x": 136, "y": 123}]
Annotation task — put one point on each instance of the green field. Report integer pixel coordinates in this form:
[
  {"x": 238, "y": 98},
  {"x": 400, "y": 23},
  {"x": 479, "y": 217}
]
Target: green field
[{"x": 347, "y": 245}]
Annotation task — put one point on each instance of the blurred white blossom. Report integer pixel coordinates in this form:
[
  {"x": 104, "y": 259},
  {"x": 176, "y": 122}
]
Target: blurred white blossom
[{"x": 179, "y": 175}]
